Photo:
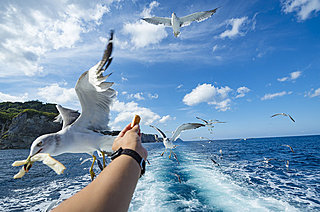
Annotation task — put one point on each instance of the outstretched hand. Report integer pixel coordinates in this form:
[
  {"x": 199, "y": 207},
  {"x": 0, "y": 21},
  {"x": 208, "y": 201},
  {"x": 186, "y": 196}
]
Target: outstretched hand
[{"x": 130, "y": 138}]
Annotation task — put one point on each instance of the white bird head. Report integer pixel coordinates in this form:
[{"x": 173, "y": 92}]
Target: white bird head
[
  {"x": 45, "y": 143},
  {"x": 173, "y": 14}
]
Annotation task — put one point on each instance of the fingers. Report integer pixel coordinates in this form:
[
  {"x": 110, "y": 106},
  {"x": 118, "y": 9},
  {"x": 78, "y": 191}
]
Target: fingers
[{"x": 121, "y": 134}]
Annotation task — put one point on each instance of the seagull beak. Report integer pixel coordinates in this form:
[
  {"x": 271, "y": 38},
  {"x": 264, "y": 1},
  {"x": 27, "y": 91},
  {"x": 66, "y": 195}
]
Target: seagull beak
[{"x": 28, "y": 164}]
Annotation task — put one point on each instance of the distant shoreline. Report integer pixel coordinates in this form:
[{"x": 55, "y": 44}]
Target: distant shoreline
[{"x": 229, "y": 139}]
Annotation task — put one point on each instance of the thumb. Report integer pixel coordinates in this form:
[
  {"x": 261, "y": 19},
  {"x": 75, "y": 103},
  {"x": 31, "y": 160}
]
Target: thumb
[{"x": 136, "y": 128}]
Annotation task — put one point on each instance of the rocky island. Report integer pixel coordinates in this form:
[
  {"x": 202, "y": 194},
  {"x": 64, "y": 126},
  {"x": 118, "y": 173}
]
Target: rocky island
[{"x": 21, "y": 123}]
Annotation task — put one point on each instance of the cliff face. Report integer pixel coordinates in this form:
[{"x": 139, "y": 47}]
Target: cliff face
[
  {"x": 148, "y": 138},
  {"x": 26, "y": 127}
]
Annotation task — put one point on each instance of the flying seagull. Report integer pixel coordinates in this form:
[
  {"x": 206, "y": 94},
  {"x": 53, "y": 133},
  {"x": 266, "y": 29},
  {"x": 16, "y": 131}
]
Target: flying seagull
[
  {"x": 215, "y": 162},
  {"x": 89, "y": 132},
  {"x": 178, "y": 176},
  {"x": 209, "y": 123},
  {"x": 176, "y": 22},
  {"x": 266, "y": 160},
  {"x": 168, "y": 142},
  {"x": 283, "y": 114},
  {"x": 209, "y": 140},
  {"x": 288, "y": 146}
]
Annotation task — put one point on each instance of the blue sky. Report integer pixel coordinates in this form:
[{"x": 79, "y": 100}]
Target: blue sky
[{"x": 251, "y": 59}]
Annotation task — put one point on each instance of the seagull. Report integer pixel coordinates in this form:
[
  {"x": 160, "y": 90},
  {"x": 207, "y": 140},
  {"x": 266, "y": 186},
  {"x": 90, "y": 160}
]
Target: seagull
[
  {"x": 288, "y": 146},
  {"x": 176, "y": 22},
  {"x": 178, "y": 176},
  {"x": 168, "y": 142},
  {"x": 214, "y": 162},
  {"x": 209, "y": 140},
  {"x": 283, "y": 114},
  {"x": 156, "y": 138},
  {"x": 89, "y": 132},
  {"x": 218, "y": 122},
  {"x": 220, "y": 153},
  {"x": 209, "y": 123},
  {"x": 266, "y": 160}
]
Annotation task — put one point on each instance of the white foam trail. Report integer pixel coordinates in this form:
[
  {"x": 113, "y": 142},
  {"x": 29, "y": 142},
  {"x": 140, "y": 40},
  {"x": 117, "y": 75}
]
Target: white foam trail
[
  {"x": 154, "y": 190},
  {"x": 223, "y": 191}
]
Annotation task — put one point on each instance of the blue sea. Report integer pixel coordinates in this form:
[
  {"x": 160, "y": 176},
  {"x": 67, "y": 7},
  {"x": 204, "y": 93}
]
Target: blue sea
[{"x": 241, "y": 182}]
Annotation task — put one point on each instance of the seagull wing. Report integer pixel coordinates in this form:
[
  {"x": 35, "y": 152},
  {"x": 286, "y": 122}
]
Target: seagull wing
[
  {"x": 219, "y": 122},
  {"x": 178, "y": 176},
  {"x": 199, "y": 16},
  {"x": 291, "y": 118},
  {"x": 162, "y": 133},
  {"x": 186, "y": 126},
  {"x": 158, "y": 20},
  {"x": 202, "y": 120},
  {"x": 277, "y": 114},
  {"x": 67, "y": 116},
  {"x": 95, "y": 94},
  {"x": 290, "y": 148}
]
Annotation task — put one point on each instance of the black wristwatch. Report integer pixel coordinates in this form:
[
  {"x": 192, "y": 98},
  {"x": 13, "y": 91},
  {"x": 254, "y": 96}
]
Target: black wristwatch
[{"x": 133, "y": 154}]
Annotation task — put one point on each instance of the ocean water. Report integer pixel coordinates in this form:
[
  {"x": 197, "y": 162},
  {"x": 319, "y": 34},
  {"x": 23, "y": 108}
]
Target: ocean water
[{"x": 241, "y": 182}]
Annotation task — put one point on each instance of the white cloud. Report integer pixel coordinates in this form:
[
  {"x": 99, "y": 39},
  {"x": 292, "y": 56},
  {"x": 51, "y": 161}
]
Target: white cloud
[
  {"x": 283, "y": 79},
  {"x": 153, "y": 96},
  {"x": 165, "y": 119},
  {"x": 140, "y": 95},
  {"x": 55, "y": 94},
  {"x": 209, "y": 94},
  {"x": 9, "y": 98},
  {"x": 223, "y": 105},
  {"x": 293, "y": 75},
  {"x": 315, "y": 93},
  {"x": 147, "y": 10},
  {"x": 242, "y": 91},
  {"x": 236, "y": 23},
  {"x": 273, "y": 95},
  {"x": 142, "y": 33},
  {"x": 179, "y": 86},
  {"x": 214, "y": 48},
  {"x": 303, "y": 8},
  {"x": 137, "y": 96},
  {"x": 127, "y": 110},
  {"x": 29, "y": 31}
]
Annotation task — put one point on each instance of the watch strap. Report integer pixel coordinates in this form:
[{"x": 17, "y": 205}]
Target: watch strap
[{"x": 132, "y": 154}]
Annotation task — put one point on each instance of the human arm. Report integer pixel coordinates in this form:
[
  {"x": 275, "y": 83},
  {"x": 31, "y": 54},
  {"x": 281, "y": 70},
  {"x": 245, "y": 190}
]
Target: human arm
[{"x": 112, "y": 190}]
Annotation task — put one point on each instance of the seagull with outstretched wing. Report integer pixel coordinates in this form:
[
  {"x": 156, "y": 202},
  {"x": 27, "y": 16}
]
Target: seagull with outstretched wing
[
  {"x": 88, "y": 132},
  {"x": 209, "y": 123},
  {"x": 209, "y": 140},
  {"x": 283, "y": 114},
  {"x": 168, "y": 142},
  {"x": 176, "y": 23},
  {"x": 288, "y": 146}
]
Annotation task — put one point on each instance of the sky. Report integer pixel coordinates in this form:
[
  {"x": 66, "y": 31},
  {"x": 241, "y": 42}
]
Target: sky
[{"x": 250, "y": 60}]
